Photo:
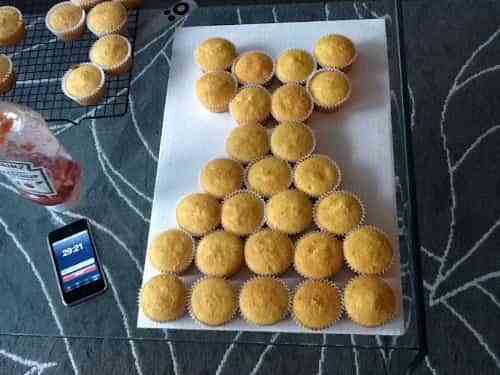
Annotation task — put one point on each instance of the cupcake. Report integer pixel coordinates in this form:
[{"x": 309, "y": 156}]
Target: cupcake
[
  {"x": 295, "y": 65},
  {"x": 335, "y": 51},
  {"x": 242, "y": 213},
  {"x": 219, "y": 253},
  {"x": 291, "y": 102},
  {"x": 215, "y": 54},
  {"x": 289, "y": 211},
  {"x": 163, "y": 298},
  {"x": 369, "y": 301},
  {"x": 198, "y": 213},
  {"x": 368, "y": 251},
  {"x": 268, "y": 252},
  {"x": 292, "y": 141},
  {"x": 108, "y": 17},
  {"x": 268, "y": 176},
  {"x": 221, "y": 177},
  {"x": 84, "y": 84},
  {"x": 215, "y": 90},
  {"x": 86, "y": 4},
  {"x": 66, "y": 21},
  {"x": 131, "y": 4},
  {"x": 316, "y": 304},
  {"x": 264, "y": 300},
  {"x": 318, "y": 255},
  {"x": 213, "y": 301},
  {"x": 254, "y": 68},
  {"x": 247, "y": 143},
  {"x": 316, "y": 175},
  {"x": 251, "y": 105},
  {"x": 113, "y": 53},
  {"x": 339, "y": 212},
  {"x": 329, "y": 88},
  {"x": 171, "y": 251},
  {"x": 12, "y": 28},
  {"x": 7, "y": 74}
]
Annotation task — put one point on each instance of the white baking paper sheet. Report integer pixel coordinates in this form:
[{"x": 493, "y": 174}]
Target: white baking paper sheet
[{"x": 358, "y": 137}]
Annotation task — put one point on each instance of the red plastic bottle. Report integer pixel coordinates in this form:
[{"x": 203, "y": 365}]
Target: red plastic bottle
[{"x": 34, "y": 161}]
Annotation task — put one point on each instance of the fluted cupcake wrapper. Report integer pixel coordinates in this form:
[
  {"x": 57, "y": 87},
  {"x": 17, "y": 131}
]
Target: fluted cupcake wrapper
[
  {"x": 302, "y": 81},
  {"x": 302, "y": 119},
  {"x": 9, "y": 80},
  {"x": 221, "y": 158},
  {"x": 250, "y": 165},
  {"x": 244, "y": 162},
  {"x": 72, "y": 33},
  {"x": 331, "y": 108},
  {"x": 341, "y": 309},
  {"x": 20, "y": 32},
  {"x": 261, "y": 200},
  {"x": 119, "y": 29},
  {"x": 123, "y": 66},
  {"x": 227, "y": 68},
  {"x": 95, "y": 96},
  {"x": 380, "y": 231},
  {"x": 184, "y": 266},
  {"x": 196, "y": 235},
  {"x": 265, "y": 81},
  {"x": 260, "y": 120},
  {"x": 306, "y": 155},
  {"x": 225, "y": 106},
  {"x": 323, "y": 196},
  {"x": 346, "y": 68},
  {"x": 335, "y": 165}
]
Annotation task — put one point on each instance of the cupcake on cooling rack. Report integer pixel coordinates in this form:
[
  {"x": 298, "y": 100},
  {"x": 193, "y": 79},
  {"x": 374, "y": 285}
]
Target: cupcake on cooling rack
[
  {"x": 289, "y": 212},
  {"x": 215, "y": 90},
  {"x": 268, "y": 252},
  {"x": 221, "y": 177},
  {"x": 247, "y": 143},
  {"x": 316, "y": 175},
  {"x": 12, "y": 28},
  {"x": 66, "y": 21},
  {"x": 316, "y": 304},
  {"x": 335, "y": 51},
  {"x": 253, "y": 68},
  {"x": 292, "y": 141},
  {"x": 264, "y": 300},
  {"x": 172, "y": 251},
  {"x": 198, "y": 213},
  {"x": 291, "y": 102},
  {"x": 84, "y": 83},
  {"x": 329, "y": 88},
  {"x": 339, "y": 212},
  {"x": 163, "y": 298},
  {"x": 251, "y": 105},
  {"x": 113, "y": 53},
  {"x": 219, "y": 253},
  {"x": 215, "y": 54},
  {"x": 268, "y": 176},
  {"x": 213, "y": 301},
  {"x": 108, "y": 17},
  {"x": 86, "y": 4},
  {"x": 7, "y": 74},
  {"x": 242, "y": 213},
  {"x": 295, "y": 65},
  {"x": 131, "y": 4}
]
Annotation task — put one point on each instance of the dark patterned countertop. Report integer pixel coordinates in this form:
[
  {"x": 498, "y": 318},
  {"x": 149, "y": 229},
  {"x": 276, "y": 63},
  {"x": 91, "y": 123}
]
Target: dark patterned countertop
[{"x": 453, "y": 51}]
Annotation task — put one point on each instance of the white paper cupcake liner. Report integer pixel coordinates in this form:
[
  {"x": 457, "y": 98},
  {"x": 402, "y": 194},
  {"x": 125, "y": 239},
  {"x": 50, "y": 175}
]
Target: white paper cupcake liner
[
  {"x": 250, "y": 165},
  {"x": 261, "y": 120},
  {"x": 304, "y": 118},
  {"x": 331, "y": 161},
  {"x": 302, "y": 81},
  {"x": 224, "y": 107},
  {"x": 226, "y": 68},
  {"x": 244, "y": 162},
  {"x": 201, "y": 234},
  {"x": 265, "y": 81},
  {"x": 305, "y": 156},
  {"x": 95, "y": 96},
  {"x": 345, "y": 68},
  {"x": 119, "y": 29},
  {"x": 332, "y": 108},
  {"x": 123, "y": 66},
  {"x": 183, "y": 267},
  {"x": 216, "y": 159},
  {"x": 73, "y": 33},
  {"x": 259, "y": 198}
]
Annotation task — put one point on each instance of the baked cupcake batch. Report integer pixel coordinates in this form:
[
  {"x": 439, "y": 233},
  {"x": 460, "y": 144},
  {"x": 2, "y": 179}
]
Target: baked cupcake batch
[
  {"x": 111, "y": 54},
  {"x": 272, "y": 204}
]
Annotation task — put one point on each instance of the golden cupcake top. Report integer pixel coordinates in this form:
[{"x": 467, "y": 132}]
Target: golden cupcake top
[
  {"x": 294, "y": 65},
  {"x": 215, "y": 90},
  {"x": 289, "y": 211},
  {"x": 163, "y": 298},
  {"x": 83, "y": 80},
  {"x": 318, "y": 255},
  {"x": 213, "y": 301},
  {"x": 251, "y": 105},
  {"x": 65, "y": 16},
  {"x": 10, "y": 22},
  {"x": 247, "y": 143},
  {"x": 316, "y": 175},
  {"x": 253, "y": 68},
  {"x": 221, "y": 177},
  {"x": 5, "y": 67},
  {"x": 329, "y": 88},
  {"x": 369, "y": 301},
  {"x": 335, "y": 51},
  {"x": 215, "y": 54},
  {"x": 110, "y": 51},
  {"x": 291, "y": 102},
  {"x": 198, "y": 213},
  {"x": 219, "y": 253},
  {"x": 316, "y": 304},
  {"x": 106, "y": 17},
  {"x": 269, "y": 176},
  {"x": 268, "y": 252},
  {"x": 339, "y": 212},
  {"x": 292, "y": 141},
  {"x": 368, "y": 251},
  {"x": 264, "y": 301},
  {"x": 171, "y": 251},
  {"x": 242, "y": 213}
]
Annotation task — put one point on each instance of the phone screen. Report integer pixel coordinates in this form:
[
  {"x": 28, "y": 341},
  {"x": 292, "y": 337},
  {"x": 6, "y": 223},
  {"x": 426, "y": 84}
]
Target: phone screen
[{"x": 76, "y": 262}]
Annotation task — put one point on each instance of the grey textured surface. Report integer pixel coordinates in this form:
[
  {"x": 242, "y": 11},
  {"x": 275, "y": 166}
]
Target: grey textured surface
[{"x": 453, "y": 52}]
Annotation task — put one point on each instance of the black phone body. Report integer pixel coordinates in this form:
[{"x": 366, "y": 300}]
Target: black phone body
[{"x": 76, "y": 263}]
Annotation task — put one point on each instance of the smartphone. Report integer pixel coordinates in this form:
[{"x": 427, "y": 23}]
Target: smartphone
[{"x": 76, "y": 263}]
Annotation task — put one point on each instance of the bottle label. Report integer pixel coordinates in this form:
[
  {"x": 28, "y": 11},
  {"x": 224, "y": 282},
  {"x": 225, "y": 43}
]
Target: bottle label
[{"x": 28, "y": 178}]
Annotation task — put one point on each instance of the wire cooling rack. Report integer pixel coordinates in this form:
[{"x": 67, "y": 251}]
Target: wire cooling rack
[{"x": 40, "y": 61}]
